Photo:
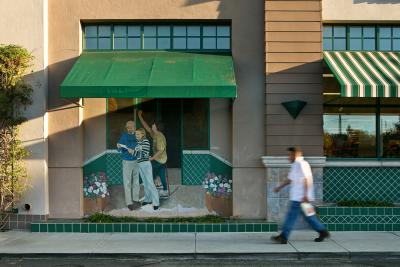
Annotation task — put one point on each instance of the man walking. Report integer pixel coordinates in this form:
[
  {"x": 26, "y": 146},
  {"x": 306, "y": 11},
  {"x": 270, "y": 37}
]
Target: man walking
[
  {"x": 301, "y": 190},
  {"x": 130, "y": 166}
]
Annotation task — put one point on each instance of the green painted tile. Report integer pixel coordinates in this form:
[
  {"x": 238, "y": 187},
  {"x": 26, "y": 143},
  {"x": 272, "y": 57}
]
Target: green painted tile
[
  {"x": 396, "y": 227},
  {"x": 141, "y": 228},
  {"x": 199, "y": 228},
  {"x": 35, "y": 227},
  {"x": 92, "y": 228},
  {"x": 208, "y": 228},
  {"x": 76, "y": 228},
  {"x": 364, "y": 227},
  {"x": 249, "y": 227},
  {"x": 323, "y": 211},
  {"x": 166, "y": 228},
  {"x": 125, "y": 227},
  {"x": 339, "y": 227},
  {"x": 233, "y": 227},
  {"x": 372, "y": 227},
  {"x": 241, "y": 227},
  {"x": 371, "y": 211},
  {"x": 150, "y": 228},
  {"x": 117, "y": 227},
  {"x": 51, "y": 227},
  {"x": 158, "y": 227},
  {"x": 339, "y": 211},
  {"x": 356, "y": 227},
  {"x": 331, "y": 211},
  {"x": 257, "y": 227},
  {"x": 100, "y": 228},
  {"x": 133, "y": 228},
  {"x": 108, "y": 228},
  {"x": 183, "y": 228},
  {"x": 43, "y": 227},
  {"x": 265, "y": 227},
  {"x": 355, "y": 211},
  {"x": 68, "y": 227},
  {"x": 175, "y": 228},
  {"x": 273, "y": 228},
  {"x": 84, "y": 228},
  {"x": 331, "y": 227},
  {"x": 224, "y": 227},
  {"x": 347, "y": 227},
  {"x": 191, "y": 228},
  {"x": 380, "y": 211},
  {"x": 396, "y": 211},
  {"x": 364, "y": 211},
  {"x": 216, "y": 227},
  {"x": 388, "y": 227},
  {"x": 388, "y": 211},
  {"x": 347, "y": 211},
  {"x": 380, "y": 227},
  {"x": 60, "y": 227}
]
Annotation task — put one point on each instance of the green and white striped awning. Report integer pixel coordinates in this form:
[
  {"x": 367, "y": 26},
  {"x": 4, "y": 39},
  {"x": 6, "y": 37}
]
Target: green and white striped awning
[{"x": 366, "y": 74}]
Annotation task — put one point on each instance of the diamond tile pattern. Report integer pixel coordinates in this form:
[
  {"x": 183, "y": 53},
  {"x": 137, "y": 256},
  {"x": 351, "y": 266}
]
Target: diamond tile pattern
[
  {"x": 114, "y": 168},
  {"x": 361, "y": 183},
  {"x": 194, "y": 168},
  {"x": 360, "y": 219}
]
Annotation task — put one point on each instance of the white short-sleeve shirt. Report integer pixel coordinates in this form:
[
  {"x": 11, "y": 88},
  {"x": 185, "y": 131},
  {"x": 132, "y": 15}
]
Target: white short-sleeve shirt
[{"x": 299, "y": 170}]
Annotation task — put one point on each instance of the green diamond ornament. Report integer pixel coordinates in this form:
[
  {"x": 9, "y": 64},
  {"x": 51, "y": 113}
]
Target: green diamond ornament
[{"x": 294, "y": 107}]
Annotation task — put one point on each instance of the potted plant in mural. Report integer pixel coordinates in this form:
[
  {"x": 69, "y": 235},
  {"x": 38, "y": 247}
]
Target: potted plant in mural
[
  {"x": 218, "y": 196},
  {"x": 95, "y": 192}
]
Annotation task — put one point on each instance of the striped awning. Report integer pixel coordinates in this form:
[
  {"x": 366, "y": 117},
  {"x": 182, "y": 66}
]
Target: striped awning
[{"x": 366, "y": 74}]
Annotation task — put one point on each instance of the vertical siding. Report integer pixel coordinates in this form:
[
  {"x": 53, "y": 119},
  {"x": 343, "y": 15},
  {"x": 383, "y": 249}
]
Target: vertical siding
[{"x": 293, "y": 52}]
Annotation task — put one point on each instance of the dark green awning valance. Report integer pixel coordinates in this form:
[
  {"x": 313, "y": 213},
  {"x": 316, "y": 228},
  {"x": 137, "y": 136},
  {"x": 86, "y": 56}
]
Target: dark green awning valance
[
  {"x": 366, "y": 74},
  {"x": 150, "y": 75}
]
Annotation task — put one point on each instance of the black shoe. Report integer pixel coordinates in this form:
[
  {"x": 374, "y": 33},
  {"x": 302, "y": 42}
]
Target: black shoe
[
  {"x": 279, "y": 239},
  {"x": 145, "y": 203},
  {"x": 322, "y": 236},
  {"x": 155, "y": 207},
  {"x": 131, "y": 207}
]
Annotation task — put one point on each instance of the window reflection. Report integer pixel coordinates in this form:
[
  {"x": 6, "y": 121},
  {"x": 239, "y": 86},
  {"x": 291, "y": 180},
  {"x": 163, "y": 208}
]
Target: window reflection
[
  {"x": 390, "y": 135},
  {"x": 349, "y": 136}
]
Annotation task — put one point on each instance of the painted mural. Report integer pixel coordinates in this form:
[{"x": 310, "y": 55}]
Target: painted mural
[{"x": 158, "y": 162}]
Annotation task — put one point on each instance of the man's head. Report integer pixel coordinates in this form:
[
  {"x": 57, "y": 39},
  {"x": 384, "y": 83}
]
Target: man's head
[
  {"x": 294, "y": 152},
  {"x": 157, "y": 126},
  {"x": 130, "y": 127}
]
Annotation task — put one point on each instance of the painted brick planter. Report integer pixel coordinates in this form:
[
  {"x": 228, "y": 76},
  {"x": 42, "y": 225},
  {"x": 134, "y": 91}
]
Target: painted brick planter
[
  {"x": 360, "y": 218},
  {"x": 152, "y": 227}
]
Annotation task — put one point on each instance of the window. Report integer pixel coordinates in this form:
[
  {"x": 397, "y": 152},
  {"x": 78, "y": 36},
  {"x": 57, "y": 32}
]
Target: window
[
  {"x": 334, "y": 38},
  {"x": 350, "y": 127},
  {"x": 209, "y": 37},
  {"x": 361, "y": 38}
]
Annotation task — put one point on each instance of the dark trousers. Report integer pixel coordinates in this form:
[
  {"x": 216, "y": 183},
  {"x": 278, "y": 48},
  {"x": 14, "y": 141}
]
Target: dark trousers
[
  {"x": 160, "y": 170},
  {"x": 293, "y": 213}
]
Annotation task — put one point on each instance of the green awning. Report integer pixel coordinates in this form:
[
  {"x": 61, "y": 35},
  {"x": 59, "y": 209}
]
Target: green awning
[
  {"x": 148, "y": 74},
  {"x": 366, "y": 74}
]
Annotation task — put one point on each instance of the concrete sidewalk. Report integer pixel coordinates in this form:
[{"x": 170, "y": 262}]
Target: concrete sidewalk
[{"x": 301, "y": 245}]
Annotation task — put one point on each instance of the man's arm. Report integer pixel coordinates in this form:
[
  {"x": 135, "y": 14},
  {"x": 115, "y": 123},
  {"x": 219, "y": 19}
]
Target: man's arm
[
  {"x": 308, "y": 180},
  {"x": 283, "y": 185},
  {"x": 144, "y": 123}
]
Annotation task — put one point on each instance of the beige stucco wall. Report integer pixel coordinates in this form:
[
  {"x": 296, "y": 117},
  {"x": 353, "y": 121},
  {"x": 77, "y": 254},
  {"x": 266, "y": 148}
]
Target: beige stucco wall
[
  {"x": 361, "y": 10},
  {"x": 65, "y": 131},
  {"x": 25, "y": 23},
  {"x": 221, "y": 128}
]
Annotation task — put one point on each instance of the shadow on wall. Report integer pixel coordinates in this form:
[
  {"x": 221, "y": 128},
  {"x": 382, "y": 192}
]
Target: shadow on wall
[{"x": 376, "y": 1}]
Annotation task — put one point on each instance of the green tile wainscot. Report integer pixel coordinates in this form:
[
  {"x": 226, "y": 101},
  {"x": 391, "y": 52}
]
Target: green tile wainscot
[
  {"x": 360, "y": 218},
  {"x": 77, "y": 227}
]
